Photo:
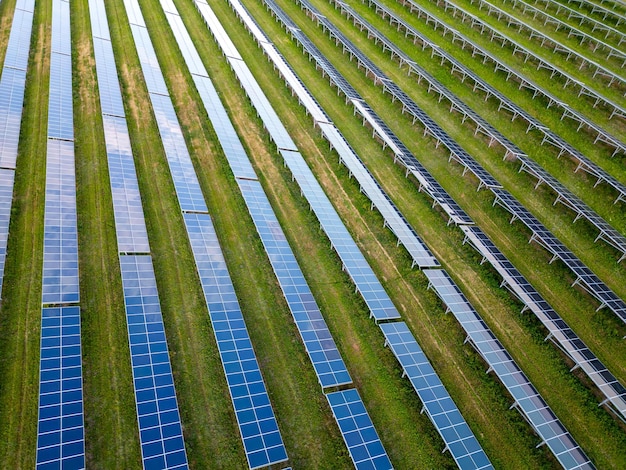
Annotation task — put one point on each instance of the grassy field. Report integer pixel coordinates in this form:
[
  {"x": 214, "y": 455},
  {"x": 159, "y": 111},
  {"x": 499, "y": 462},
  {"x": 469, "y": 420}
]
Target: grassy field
[{"x": 310, "y": 433}]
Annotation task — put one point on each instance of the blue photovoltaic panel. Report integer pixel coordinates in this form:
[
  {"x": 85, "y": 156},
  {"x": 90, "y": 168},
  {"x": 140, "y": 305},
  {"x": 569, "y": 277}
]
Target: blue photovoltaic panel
[
  {"x": 6, "y": 198},
  {"x": 12, "y": 87},
  {"x": 60, "y": 117},
  {"x": 366, "y": 450},
  {"x": 61, "y": 41},
  {"x": 188, "y": 190},
  {"x": 108, "y": 84},
  {"x": 60, "y": 431},
  {"x": 527, "y": 399},
  {"x": 160, "y": 430},
  {"x": 99, "y": 23},
  {"x": 60, "y": 252},
  {"x": 147, "y": 57},
  {"x": 19, "y": 41},
  {"x": 442, "y": 411},
  {"x": 329, "y": 366},
  {"x": 230, "y": 143},
  {"x": 132, "y": 236},
  {"x": 259, "y": 431}
]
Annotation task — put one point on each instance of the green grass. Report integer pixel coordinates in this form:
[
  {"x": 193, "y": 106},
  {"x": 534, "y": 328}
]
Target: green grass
[{"x": 310, "y": 433}]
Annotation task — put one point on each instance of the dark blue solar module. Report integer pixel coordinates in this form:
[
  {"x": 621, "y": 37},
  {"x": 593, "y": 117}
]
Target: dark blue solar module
[
  {"x": 149, "y": 63},
  {"x": 60, "y": 252},
  {"x": 258, "y": 427},
  {"x": 130, "y": 225},
  {"x": 442, "y": 411},
  {"x": 188, "y": 190},
  {"x": 160, "y": 430},
  {"x": 60, "y": 432},
  {"x": 366, "y": 450},
  {"x": 16, "y": 56},
  {"x": 527, "y": 399},
  {"x": 329, "y": 366}
]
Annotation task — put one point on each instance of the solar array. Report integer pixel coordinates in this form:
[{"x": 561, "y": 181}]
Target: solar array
[
  {"x": 527, "y": 400},
  {"x": 524, "y": 81},
  {"x": 600, "y": 290},
  {"x": 613, "y": 391},
  {"x": 12, "y": 86},
  {"x": 583, "y": 18},
  {"x": 441, "y": 410},
  {"x": 60, "y": 427},
  {"x": 359, "y": 456},
  {"x": 358, "y": 431},
  {"x": 551, "y": 137},
  {"x": 258, "y": 427},
  {"x": 158, "y": 418}
]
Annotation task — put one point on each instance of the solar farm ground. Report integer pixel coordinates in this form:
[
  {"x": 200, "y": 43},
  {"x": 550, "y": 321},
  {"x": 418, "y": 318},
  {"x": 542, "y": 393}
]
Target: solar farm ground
[{"x": 307, "y": 426}]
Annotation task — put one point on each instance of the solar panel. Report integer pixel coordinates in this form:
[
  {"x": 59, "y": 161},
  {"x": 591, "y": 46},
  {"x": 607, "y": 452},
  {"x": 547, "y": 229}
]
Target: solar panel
[
  {"x": 160, "y": 430},
  {"x": 60, "y": 116},
  {"x": 132, "y": 236},
  {"x": 320, "y": 346},
  {"x": 108, "y": 84},
  {"x": 149, "y": 64},
  {"x": 526, "y": 398},
  {"x": 258, "y": 427},
  {"x": 60, "y": 431},
  {"x": 60, "y": 250},
  {"x": 16, "y": 56},
  {"x": 188, "y": 190},
  {"x": 12, "y": 87},
  {"x": 6, "y": 199},
  {"x": 357, "y": 430},
  {"x": 441, "y": 409}
]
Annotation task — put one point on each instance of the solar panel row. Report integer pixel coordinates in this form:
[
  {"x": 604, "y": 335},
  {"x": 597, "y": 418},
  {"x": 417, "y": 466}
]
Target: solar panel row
[
  {"x": 160, "y": 429},
  {"x": 12, "y": 86},
  {"x": 361, "y": 458},
  {"x": 60, "y": 428},
  {"x": 257, "y": 425},
  {"x": 527, "y": 398},
  {"x": 559, "y": 331}
]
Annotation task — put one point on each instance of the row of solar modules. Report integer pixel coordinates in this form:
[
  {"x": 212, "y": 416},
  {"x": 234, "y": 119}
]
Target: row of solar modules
[
  {"x": 598, "y": 7},
  {"x": 545, "y": 238},
  {"x": 257, "y": 424},
  {"x": 601, "y": 292},
  {"x": 591, "y": 281},
  {"x": 12, "y": 86},
  {"x": 572, "y": 31},
  {"x": 60, "y": 427},
  {"x": 525, "y": 82},
  {"x": 363, "y": 444},
  {"x": 549, "y": 136},
  {"x": 437, "y": 402},
  {"x": 559, "y": 331},
  {"x": 557, "y": 46},
  {"x": 158, "y": 417}
]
